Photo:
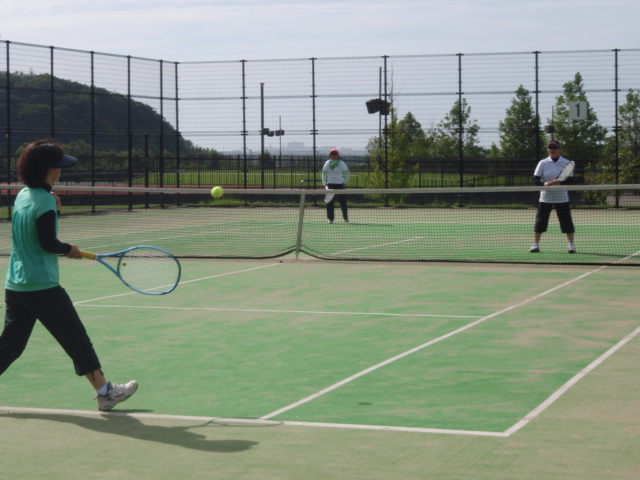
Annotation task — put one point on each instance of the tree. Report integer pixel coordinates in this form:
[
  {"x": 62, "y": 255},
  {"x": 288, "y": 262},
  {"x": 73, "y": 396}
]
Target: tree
[
  {"x": 629, "y": 140},
  {"x": 581, "y": 139},
  {"x": 520, "y": 131},
  {"x": 494, "y": 151},
  {"x": 406, "y": 140},
  {"x": 78, "y": 148},
  {"x": 445, "y": 138}
]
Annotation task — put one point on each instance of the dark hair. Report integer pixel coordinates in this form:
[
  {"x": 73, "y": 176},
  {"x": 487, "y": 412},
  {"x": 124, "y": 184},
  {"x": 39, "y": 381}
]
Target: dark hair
[{"x": 36, "y": 160}]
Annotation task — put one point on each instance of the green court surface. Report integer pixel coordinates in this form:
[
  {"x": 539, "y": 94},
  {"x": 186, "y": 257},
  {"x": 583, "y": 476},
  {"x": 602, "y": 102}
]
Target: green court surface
[{"x": 307, "y": 369}]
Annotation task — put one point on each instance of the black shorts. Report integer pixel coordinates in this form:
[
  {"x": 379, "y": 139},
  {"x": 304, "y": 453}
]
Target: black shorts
[
  {"x": 563, "y": 210},
  {"x": 56, "y": 312}
]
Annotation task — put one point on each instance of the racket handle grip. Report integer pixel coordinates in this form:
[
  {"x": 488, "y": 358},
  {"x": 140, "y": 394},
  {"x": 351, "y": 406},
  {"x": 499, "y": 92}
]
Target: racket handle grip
[{"x": 89, "y": 255}]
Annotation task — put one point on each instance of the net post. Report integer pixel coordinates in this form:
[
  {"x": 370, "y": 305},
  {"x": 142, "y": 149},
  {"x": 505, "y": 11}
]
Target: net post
[{"x": 300, "y": 223}]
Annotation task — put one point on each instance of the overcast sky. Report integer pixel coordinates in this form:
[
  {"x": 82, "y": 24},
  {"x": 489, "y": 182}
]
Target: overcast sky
[{"x": 188, "y": 30}]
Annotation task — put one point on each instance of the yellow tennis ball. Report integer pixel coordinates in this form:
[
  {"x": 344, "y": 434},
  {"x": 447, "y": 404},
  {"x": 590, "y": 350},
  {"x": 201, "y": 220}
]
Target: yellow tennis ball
[{"x": 216, "y": 192}]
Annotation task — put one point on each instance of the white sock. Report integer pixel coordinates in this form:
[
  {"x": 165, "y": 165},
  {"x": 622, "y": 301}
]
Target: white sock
[{"x": 103, "y": 391}]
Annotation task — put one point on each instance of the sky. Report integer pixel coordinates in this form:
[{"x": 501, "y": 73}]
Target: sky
[{"x": 200, "y": 30}]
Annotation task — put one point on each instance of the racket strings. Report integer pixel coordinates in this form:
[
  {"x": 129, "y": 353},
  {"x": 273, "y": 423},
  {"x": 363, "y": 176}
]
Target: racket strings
[
  {"x": 149, "y": 270},
  {"x": 566, "y": 172}
]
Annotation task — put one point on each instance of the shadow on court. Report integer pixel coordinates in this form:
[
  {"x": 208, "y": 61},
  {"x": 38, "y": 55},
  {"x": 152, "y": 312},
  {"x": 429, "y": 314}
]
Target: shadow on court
[{"x": 132, "y": 427}]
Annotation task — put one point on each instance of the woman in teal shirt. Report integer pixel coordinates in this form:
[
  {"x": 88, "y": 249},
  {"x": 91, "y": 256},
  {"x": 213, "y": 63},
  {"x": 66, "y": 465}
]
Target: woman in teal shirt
[{"x": 33, "y": 290}]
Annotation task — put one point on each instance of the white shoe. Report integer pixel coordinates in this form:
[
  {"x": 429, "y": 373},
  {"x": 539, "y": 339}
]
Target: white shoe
[
  {"x": 572, "y": 248},
  {"x": 329, "y": 221},
  {"x": 535, "y": 248},
  {"x": 117, "y": 393}
]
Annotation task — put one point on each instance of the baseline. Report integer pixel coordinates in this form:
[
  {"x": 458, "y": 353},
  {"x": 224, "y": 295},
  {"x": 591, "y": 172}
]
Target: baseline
[
  {"x": 255, "y": 310},
  {"x": 257, "y": 422}
]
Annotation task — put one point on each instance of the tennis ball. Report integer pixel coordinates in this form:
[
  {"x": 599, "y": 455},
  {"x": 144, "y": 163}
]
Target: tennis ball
[{"x": 216, "y": 192}]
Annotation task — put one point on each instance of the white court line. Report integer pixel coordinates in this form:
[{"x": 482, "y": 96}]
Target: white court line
[
  {"x": 94, "y": 413},
  {"x": 563, "y": 389},
  {"x": 378, "y": 246},
  {"x": 421, "y": 347},
  {"x": 213, "y": 309},
  {"x": 182, "y": 283}
]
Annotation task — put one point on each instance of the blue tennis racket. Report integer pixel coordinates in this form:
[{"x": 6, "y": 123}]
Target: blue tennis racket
[{"x": 145, "y": 269}]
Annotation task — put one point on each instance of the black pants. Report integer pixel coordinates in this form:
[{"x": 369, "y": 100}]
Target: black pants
[
  {"x": 563, "y": 210},
  {"x": 56, "y": 312},
  {"x": 332, "y": 204}
]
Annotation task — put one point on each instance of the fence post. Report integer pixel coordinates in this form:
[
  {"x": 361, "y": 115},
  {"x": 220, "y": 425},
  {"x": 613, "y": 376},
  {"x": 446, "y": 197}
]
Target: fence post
[
  {"x": 129, "y": 130},
  {"x": 53, "y": 116},
  {"x": 161, "y": 139},
  {"x": 178, "y": 166},
  {"x": 146, "y": 168},
  {"x": 244, "y": 122},
  {"x": 8, "y": 133},
  {"x": 314, "y": 131},
  {"x": 262, "y": 135},
  {"x": 460, "y": 122},
  {"x": 537, "y": 92},
  {"x": 616, "y": 127},
  {"x": 93, "y": 132},
  {"x": 386, "y": 132}
]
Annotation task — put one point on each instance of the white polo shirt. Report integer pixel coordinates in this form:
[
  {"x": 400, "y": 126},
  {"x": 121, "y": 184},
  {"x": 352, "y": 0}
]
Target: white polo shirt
[{"x": 549, "y": 170}]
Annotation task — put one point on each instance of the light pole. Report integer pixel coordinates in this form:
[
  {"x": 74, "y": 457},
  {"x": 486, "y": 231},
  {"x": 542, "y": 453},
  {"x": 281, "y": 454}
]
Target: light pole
[
  {"x": 277, "y": 131},
  {"x": 262, "y": 135},
  {"x": 269, "y": 133}
]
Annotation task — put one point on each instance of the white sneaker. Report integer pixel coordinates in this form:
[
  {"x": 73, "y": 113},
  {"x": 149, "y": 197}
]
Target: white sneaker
[
  {"x": 117, "y": 393},
  {"x": 329, "y": 221},
  {"x": 572, "y": 248},
  {"x": 535, "y": 248}
]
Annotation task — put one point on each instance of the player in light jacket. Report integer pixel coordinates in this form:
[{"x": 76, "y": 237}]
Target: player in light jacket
[{"x": 335, "y": 175}]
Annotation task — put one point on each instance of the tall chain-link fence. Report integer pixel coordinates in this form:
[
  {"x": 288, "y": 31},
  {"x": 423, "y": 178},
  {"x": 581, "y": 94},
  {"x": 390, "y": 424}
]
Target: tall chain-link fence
[{"x": 398, "y": 121}]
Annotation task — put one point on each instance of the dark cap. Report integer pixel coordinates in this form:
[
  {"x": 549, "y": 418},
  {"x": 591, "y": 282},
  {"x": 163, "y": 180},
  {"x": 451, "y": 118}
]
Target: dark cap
[
  {"x": 66, "y": 161},
  {"x": 554, "y": 143},
  {"x": 54, "y": 155}
]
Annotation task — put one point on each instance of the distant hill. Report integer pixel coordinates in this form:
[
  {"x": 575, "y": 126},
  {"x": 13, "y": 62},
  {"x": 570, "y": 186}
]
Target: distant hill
[{"x": 31, "y": 115}]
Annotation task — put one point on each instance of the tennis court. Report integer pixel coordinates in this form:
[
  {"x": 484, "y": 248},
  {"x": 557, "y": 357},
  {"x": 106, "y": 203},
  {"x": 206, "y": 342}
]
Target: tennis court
[{"x": 289, "y": 369}]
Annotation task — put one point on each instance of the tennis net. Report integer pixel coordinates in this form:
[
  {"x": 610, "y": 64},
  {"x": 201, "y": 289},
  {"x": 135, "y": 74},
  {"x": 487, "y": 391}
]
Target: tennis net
[{"x": 442, "y": 224}]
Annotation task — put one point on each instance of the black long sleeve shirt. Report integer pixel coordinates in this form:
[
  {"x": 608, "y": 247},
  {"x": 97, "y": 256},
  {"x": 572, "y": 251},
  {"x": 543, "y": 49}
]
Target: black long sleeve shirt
[{"x": 46, "y": 225}]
